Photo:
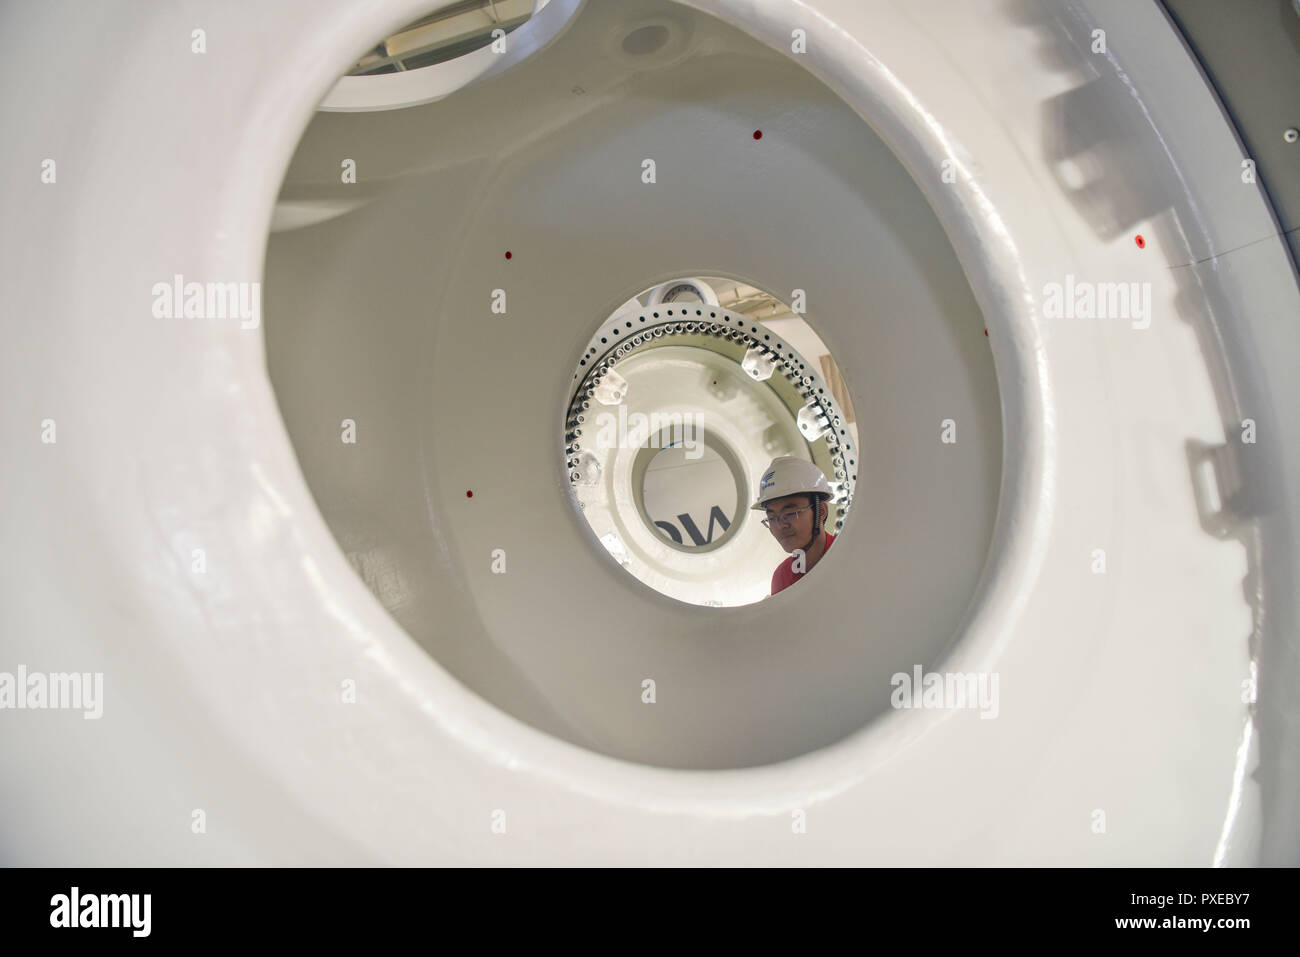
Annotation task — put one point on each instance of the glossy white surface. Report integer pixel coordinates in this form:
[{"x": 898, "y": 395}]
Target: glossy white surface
[
  {"x": 1120, "y": 692},
  {"x": 383, "y": 318}
]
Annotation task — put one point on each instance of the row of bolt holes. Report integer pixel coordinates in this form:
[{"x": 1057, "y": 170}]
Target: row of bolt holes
[
  {"x": 689, "y": 328},
  {"x": 694, "y": 327}
]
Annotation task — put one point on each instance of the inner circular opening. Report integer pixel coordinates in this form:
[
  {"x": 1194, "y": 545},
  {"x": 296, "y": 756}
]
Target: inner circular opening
[
  {"x": 679, "y": 406},
  {"x": 436, "y": 319},
  {"x": 681, "y": 482}
]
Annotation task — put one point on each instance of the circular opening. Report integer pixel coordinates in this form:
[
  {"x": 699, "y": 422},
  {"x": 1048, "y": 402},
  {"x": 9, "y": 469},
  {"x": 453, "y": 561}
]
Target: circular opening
[
  {"x": 414, "y": 363},
  {"x": 680, "y": 482},
  {"x": 687, "y": 481},
  {"x": 670, "y": 431}
]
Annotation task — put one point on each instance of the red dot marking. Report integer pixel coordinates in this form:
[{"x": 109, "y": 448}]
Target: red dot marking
[
  {"x": 509, "y": 254},
  {"x": 469, "y": 493},
  {"x": 1142, "y": 243},
  {"x": 986, "y": 332},
  {"x": 758, "y": 134}
]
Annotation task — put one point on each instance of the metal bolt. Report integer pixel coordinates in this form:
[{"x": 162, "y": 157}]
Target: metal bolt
[{"x": 1291, "y": 135}]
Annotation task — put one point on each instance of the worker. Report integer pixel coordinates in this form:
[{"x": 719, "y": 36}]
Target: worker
[{"x": 795, "y": 495}]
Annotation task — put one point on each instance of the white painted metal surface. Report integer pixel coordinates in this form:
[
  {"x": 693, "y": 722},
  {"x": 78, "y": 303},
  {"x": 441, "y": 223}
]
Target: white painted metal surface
[{"x": 1120, "y": 692}]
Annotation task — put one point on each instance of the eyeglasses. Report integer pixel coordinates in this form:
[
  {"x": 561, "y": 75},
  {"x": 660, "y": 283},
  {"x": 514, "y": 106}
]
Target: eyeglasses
[{"x": 785, "y": 518}]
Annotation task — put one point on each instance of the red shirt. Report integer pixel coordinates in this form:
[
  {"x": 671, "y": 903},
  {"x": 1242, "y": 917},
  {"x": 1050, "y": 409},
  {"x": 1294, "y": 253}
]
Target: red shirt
[{"x": 785, "y": 576}]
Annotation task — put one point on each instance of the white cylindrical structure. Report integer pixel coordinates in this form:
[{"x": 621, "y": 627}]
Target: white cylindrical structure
[{"x": 302, "y": 639}]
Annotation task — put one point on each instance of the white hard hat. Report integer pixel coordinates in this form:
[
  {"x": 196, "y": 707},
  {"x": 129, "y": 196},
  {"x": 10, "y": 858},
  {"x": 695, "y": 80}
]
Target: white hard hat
[{"x": 788, "y": 475}]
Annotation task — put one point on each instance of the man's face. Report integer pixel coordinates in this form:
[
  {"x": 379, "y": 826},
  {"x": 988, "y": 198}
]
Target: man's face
[{"x": 794, "y": 534}]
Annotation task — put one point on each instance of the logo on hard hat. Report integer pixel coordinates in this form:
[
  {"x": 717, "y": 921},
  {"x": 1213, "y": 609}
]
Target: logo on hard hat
[{"x": 768, "y": 481}]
